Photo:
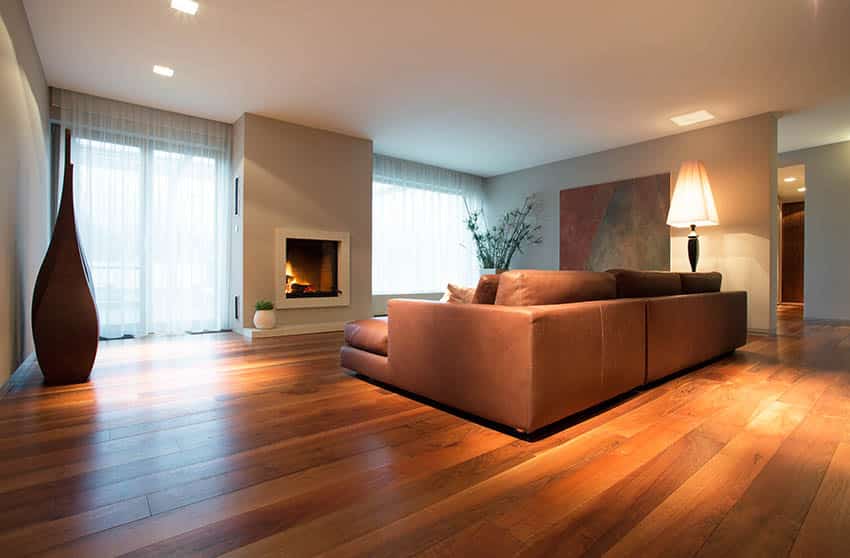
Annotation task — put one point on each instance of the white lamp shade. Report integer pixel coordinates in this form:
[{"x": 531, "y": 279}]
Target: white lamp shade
[{"x": 692, "y": 203}]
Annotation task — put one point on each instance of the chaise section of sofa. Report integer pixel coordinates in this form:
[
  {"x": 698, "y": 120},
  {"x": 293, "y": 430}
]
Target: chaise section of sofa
[
  {"x": 688, "y": 320},
  {"x": 365, "y": 349},
  {"x": 689, "y": 329},
  {"x": 523, "y": 367}
]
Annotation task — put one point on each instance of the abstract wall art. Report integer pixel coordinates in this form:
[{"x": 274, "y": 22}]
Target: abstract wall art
[{"x": 616, "y": 225}]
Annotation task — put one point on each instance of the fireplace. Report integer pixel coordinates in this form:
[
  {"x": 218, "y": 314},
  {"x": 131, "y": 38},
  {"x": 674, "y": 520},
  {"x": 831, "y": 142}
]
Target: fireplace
[{"x": 312, "y": 268}]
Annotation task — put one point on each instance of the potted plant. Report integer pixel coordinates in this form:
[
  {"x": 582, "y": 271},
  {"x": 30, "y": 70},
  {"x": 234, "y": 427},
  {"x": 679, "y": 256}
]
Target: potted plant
[
  {"x": 264, "y": 316},
  {"x": 516, "y": 230}
]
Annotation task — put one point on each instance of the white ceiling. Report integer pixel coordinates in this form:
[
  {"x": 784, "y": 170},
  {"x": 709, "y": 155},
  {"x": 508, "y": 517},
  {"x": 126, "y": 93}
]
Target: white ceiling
[
  {"x": 484, "y": 86},
  {"x": 827, "y": 123}
]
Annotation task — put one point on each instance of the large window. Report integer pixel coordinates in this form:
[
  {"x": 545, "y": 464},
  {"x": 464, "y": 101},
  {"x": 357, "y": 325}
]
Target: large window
[
  {"x": 152, "y": 204},
  {"x": 419, "y": 240},
  {"x": 110, "y": 213}
]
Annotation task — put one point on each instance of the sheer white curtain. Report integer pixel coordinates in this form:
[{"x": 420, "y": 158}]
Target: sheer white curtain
[
  {"x": 152, "y": 205},
  {"x": 419, "y": 239}
]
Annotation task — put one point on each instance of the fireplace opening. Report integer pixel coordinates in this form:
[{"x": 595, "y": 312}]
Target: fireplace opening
[{"x": 311, "y": 268}]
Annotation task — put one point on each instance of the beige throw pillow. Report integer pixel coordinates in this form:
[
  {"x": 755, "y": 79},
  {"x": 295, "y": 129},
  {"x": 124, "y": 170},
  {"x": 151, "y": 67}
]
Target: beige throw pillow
[{"x": 455, "y": 294}]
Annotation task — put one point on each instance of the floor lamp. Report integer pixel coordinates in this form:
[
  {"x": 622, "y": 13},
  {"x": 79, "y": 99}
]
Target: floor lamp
[{"x": 692, "y": 205}]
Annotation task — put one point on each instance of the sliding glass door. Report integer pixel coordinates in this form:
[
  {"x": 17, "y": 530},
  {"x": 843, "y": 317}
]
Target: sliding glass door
[
  {"x": 187, "y": 231},
  {"x": 152, "y": 198},
  {"x": 110, "y": 209},
  {"x": 153, "y": 224}
]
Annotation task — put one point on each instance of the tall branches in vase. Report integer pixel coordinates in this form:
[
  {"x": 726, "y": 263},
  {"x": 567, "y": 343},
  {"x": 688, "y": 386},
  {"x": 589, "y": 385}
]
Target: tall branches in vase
[{"x": 516, "y": 230}]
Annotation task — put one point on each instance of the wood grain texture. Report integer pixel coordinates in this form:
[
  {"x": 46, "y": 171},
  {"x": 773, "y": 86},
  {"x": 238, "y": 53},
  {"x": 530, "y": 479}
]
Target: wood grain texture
[
  {"x": 792, "y": 250},
  {"x": 213, "y": 445}
]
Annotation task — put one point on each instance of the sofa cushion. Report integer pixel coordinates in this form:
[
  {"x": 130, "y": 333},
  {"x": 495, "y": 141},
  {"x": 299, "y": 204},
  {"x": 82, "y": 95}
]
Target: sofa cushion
[
  {"x": 642, "y": 284},
  {"x": 363, "y": 362},
  {"x": 485, "y": 292},
  {"x": 529, "y": 287},
  {"x": 455, "y": 294},
  {"x": 693, "y": 283},
  {"x": 369, "y": 335}
]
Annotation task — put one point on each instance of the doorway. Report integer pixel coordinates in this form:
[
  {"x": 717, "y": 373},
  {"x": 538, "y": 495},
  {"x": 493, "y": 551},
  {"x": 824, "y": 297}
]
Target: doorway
[{"x": 792, "y": 202}]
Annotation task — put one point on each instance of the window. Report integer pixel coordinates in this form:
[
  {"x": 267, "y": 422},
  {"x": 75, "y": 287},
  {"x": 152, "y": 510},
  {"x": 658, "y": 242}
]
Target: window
[
  {"x": 419, "y": 239},
  {"x": 110, "y": 211},
  {"x": 152, "y": 198},
  {"x": 186, "y": 227}
]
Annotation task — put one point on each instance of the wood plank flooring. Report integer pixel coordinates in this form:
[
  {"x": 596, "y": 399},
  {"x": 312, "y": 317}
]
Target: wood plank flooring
[{"x": 213, "y": 445}]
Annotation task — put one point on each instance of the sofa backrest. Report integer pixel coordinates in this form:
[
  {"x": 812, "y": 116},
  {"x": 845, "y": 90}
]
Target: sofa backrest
[
  {"x": 530, "y": 287},
  {"x": 647, "y": 284},
  {"x": 693, "y": 283},
  {"x": 644, "y": 284}
]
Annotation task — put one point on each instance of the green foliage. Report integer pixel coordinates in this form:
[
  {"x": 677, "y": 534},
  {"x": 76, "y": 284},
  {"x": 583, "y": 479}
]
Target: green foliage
[
  {"x": 264, "y": 305},
  {"x": 516, "y": 230}
]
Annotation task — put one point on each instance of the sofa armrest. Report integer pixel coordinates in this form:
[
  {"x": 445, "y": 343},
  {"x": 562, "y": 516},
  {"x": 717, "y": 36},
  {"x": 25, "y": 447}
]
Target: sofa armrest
[{"x": 521, "y": 366}]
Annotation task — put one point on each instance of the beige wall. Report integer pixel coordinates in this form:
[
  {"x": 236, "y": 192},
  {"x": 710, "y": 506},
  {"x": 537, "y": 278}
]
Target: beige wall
[
  {"x": 24, "y": 192},
  {"x": 302, "y": 177},
  {"x": 740, "y": 158},
  {"x": 826, "y": 269},
  {"x": 237, "y": 169}
]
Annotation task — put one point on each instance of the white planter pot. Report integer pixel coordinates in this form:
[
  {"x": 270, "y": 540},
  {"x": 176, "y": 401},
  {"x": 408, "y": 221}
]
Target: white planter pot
[
  {"x": 265, "y": 319},
  {"x": 491, "y": 271}
]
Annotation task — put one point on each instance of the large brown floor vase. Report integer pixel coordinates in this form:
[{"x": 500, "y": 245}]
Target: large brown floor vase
[{"x": 64, "y": 315}]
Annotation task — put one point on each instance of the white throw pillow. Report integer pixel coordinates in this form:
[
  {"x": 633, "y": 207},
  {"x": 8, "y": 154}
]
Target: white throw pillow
[{"x": 455, "y": 294}]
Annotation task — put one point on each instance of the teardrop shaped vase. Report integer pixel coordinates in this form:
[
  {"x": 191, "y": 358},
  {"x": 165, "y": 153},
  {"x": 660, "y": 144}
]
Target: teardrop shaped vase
[{"x": 64, "y": 315}]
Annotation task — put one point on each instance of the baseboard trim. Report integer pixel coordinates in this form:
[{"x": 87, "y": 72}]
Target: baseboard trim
[
  {"x": 758, "y": 331},
  {"x": 827, "y": 321},
  {"x": 284, "y": 330}
]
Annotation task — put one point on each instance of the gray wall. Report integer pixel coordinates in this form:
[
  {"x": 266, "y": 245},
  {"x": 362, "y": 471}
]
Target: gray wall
[
  {"x": 24, "y": 190},
  {"x": 740, "y": 158},
  {"x": 301, "y": 177},
  {"x": 827, "y": 252}
]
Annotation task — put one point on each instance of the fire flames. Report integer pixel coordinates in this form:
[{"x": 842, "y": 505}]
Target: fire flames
[{"x": 293, "y": 285}]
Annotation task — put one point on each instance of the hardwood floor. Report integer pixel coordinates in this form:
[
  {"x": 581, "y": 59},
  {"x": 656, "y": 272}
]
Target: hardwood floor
[{"x": 212, "y": 445}]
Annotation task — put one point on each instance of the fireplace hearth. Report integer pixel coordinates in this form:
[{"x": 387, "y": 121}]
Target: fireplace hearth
[{"x": 312, "y": 268}]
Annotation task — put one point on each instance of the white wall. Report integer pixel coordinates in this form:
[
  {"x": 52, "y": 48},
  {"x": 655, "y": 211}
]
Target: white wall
[
  {"x": 301, "y": 177},
  {"x": 24, "y": 190},
  {"x": 826, "y": 273},
  {"x": 740, "y": 158}
]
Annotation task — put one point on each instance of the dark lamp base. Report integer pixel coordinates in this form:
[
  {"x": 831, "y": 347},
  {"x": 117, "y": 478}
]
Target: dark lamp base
[{"x": 693, "y": 247}]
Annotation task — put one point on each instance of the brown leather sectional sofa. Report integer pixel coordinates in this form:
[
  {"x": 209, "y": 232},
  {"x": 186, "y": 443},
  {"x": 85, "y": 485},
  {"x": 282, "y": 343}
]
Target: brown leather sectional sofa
[{"x": 552, "y": 343}]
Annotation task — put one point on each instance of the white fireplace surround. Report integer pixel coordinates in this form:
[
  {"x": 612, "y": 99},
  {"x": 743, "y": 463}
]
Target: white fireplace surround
[{"x": 343, "y": 269}]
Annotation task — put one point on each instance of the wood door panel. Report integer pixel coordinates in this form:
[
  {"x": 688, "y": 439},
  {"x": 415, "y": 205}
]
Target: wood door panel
[{"x": 793, "y": 234}]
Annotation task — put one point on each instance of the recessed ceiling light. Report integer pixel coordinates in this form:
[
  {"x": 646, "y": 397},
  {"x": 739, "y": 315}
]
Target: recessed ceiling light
[
  {"x": 186, "y": 6},
  {"x": 163, "y": 71},
  {"x": 790, "y": 179},
  {"x": 692, "y": 118},
  {"x": 801, "y": 189}
]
